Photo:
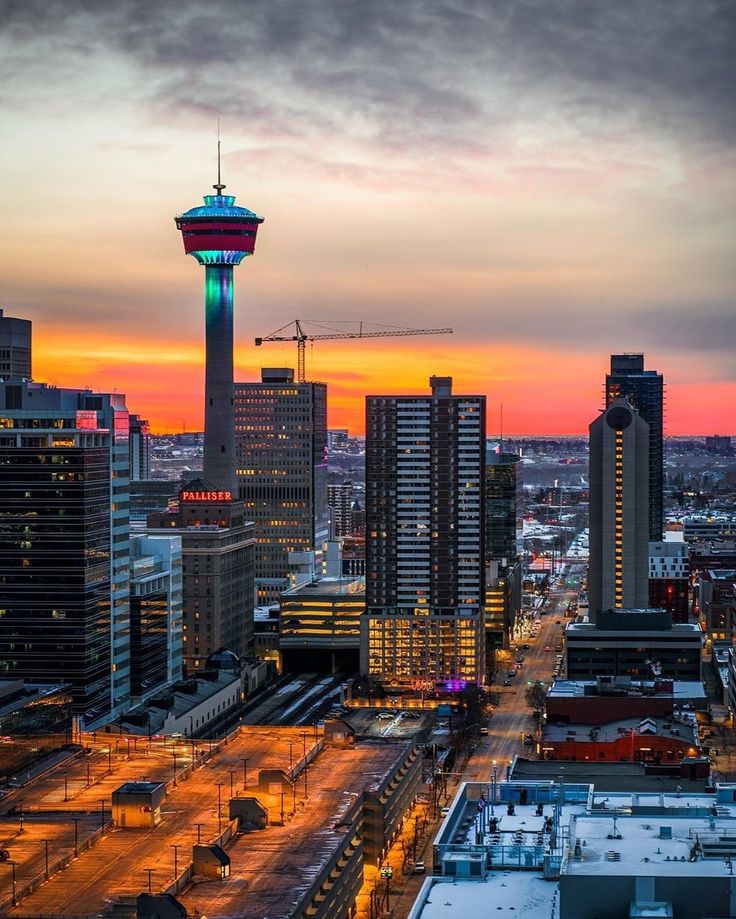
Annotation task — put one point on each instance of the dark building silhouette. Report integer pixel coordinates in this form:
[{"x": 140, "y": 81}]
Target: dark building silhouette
[
  {"x": 15, "y": 348},
  {"x": 619, "y": 510},
  {"x": 64, "y": 542},
  {"x": 644, "y": 389}
]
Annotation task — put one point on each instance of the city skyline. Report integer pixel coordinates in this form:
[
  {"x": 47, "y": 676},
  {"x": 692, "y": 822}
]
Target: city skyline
[{"x": 556, "y": 186}]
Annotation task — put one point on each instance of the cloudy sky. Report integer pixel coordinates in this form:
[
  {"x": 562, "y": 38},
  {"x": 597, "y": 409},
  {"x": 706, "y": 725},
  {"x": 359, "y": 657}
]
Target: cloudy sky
[{"x": 555, "y": 179}]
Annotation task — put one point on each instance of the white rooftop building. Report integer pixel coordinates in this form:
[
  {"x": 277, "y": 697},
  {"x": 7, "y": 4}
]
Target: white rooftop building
[{"x": 568, "y": 852}]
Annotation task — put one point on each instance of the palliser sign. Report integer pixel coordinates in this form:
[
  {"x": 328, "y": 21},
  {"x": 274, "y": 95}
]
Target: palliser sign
[{"x": 205, "y": 497}]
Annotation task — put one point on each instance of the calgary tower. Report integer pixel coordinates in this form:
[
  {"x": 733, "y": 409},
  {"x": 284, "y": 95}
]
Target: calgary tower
[{"x": 219, "y": 235}]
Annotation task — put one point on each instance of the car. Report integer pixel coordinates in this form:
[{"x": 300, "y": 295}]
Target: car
[
  {"x": 419, "y": 868},
  {"x": 526, "y": 646},
  {"x": 713, "y": 751},
  {"x": 529, "y": 740},
  {"x": 558, "y": 647},
  {"x": 4, "y": 855},
  {"x": 511, "y": 672},
  {"x": 547, "y": 648},
  {"x": 483, "y": 732},
  {"x": 385, "y": 716},
  {"x": 558, "y": 621},
  {"x": 444, "y": 811},
  {"x": 507, "y": 682}
]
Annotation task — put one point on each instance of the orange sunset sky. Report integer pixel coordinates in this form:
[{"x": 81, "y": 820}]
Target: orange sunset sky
[{"x": 553, "y": 179}]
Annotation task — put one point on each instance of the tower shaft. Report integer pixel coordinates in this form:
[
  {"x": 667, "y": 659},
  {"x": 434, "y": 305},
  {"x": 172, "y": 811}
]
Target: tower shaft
[{"x": 219, "y": 411}]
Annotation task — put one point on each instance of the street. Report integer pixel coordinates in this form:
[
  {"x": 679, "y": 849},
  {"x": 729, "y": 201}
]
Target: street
[{"x": 509, "y": 722}]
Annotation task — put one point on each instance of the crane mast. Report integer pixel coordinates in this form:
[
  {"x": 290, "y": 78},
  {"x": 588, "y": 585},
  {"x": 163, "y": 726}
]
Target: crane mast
[{"x": 301, "y": 336}]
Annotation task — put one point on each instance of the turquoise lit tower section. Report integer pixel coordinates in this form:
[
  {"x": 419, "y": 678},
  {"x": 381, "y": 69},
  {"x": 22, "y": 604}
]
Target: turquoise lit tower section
[{"x": 219, "y": 235}]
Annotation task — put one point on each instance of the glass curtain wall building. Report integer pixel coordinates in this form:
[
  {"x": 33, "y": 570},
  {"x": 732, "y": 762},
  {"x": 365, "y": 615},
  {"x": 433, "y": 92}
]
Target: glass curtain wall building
[
  {"x": 644, "y": 389},
  {"x": 64, "y": 543},
  {"x": 281, "y": 443}
]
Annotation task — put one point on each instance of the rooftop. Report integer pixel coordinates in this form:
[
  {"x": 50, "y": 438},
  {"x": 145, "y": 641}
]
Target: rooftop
[
  {"x": 329, "y": 587},
  {"x": 659, "y": 844},
  {"x": 682, "y": 728},
  {"x": 522, "y": 894},
  {"x": 271, "y": 869}
]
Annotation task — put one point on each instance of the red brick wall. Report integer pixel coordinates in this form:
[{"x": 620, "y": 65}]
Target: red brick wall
[{"x": 618, "y": 750}]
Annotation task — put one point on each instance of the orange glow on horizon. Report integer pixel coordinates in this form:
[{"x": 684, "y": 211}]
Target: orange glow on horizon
[{"x": 542, "y": 391}]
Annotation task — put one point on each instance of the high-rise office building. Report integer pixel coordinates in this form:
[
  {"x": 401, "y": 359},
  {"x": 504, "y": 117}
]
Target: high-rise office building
[
  {"x": 340, "y": 503},
  {"x": 140, "y": 449},
  {"x": 217, "y": 570},
  {"x": 619, "y": 510},
  {"x": 15, "y": 348},
  {"x": 64, "y": 542},
  {"x": 281, "y": 437},
  {"x": 425, "y": 463},
  {"x": 504, "y": 492},
  {"x": 644, "y": 389},
  {"x": 503, "y": 501},
  {"x": 155, "y": 613}
]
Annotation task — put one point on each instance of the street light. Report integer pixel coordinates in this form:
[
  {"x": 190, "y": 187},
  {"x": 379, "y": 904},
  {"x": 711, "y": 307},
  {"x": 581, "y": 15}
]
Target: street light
[
  {"x": 173, "y": 753},
  {"x": 176, "y": 861},
  {"x": 493, "y": 789},
  {"x": 15, "y": 898},
  {"x": 66, "y": 786},
  {"x": 46, "y": 844},
  {"x": 150, "y": 883},
  {"x": 76, "y": 836},
  {"x": 282, "y": 793},
  {"x": 245, "y": 772},
  {"x": 232, "y": 774},
  {"x": 291, "y": 753},
  {"x": 219, "y": 804}
]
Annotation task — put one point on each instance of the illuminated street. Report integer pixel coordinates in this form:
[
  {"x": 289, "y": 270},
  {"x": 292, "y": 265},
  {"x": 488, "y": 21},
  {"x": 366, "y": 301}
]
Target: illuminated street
[{"x": 509, "y": 722}]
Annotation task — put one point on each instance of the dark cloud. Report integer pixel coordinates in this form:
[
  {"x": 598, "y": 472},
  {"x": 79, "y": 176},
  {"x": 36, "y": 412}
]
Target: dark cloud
[{"x": 422, "y": 74}]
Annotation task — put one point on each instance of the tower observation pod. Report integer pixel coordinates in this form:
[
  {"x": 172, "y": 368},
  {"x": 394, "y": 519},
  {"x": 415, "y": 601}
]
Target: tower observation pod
[{"x": 219, "y": 235}]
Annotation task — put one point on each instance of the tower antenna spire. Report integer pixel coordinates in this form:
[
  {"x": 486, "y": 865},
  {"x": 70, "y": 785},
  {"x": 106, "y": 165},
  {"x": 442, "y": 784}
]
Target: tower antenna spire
[{"x": 219, "y": 187}]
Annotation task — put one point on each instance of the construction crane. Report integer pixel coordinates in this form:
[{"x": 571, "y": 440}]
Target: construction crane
[{"x": 302, "y": 336}]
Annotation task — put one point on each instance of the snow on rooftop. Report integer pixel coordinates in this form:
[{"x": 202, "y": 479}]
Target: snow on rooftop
[{"x": 521, "y": 894}]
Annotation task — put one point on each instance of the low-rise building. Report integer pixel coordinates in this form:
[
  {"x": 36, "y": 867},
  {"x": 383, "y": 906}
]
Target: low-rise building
[
  {"x": 653, "y": 740},
  {"x": 567, "y": 850},
  {"x": 703, "y": 528},
  {"x": 193, "y": 707},
  {"x": 639, "y": 643},
  {"x": 669, "y": 578},
  {"x": 322, "y": 618},
  {"x": 717, "y": 603},
  {"x": 611, "y": 698}
]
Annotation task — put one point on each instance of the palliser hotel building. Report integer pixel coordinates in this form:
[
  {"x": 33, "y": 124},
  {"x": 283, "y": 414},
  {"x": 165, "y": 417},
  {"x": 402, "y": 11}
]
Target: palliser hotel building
[{"x": 217, "y": 554}]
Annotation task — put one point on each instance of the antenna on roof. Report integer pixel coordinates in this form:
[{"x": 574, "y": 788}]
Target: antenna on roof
[{"x": 219, "y": 187}]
